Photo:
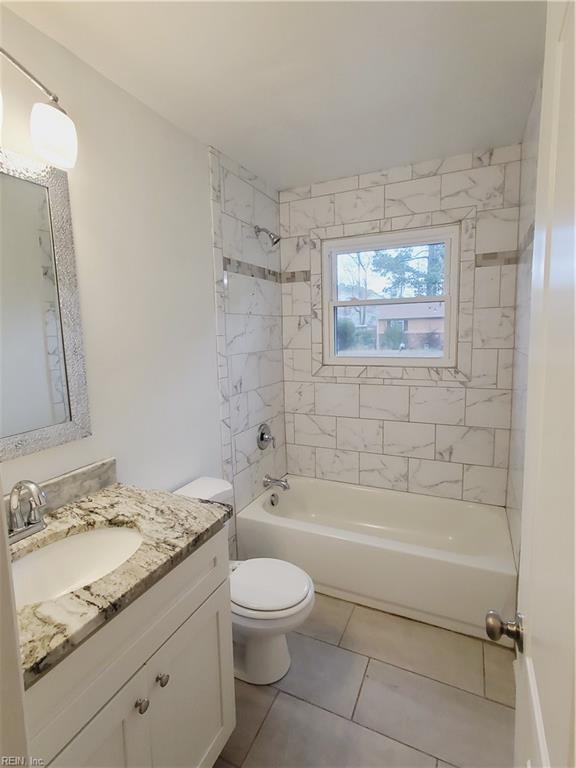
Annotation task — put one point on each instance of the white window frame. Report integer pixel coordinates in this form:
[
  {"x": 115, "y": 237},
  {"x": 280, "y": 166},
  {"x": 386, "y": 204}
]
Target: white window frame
[{"x": 450, "y": 236}]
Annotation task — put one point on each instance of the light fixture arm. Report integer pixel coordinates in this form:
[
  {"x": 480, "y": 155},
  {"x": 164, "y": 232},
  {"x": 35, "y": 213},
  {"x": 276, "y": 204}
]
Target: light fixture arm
[{"x": 51, "y": 95}]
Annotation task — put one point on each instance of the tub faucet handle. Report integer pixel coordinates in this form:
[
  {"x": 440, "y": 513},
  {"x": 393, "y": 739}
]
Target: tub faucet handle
[{"x": 265, "y": 437}]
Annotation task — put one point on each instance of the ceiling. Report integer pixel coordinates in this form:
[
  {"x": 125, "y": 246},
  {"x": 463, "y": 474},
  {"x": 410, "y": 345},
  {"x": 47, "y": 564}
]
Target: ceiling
[{"x": 306, "y": 91}]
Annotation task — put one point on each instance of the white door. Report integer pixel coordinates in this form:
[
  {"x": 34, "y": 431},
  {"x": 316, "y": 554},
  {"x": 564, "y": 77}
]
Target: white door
[
  {"x": 190, "y": 685},
  {"x": 118, "y": 737},
  {"x": 545, "y": 671}
]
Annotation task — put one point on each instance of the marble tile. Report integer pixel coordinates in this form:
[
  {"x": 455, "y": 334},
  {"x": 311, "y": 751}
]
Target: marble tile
[
  {"x": 487, "y": 287},
  {"x": 485, "y": 484},
  {"x": 308, "y": 214},
  {"x": 334, "y": 185},
  {"x": 488, "y": 407},
  {"x": 508, "y": 285},
  {"x": 239, "y": 421},
  {"x": 388, "y": 176},
  {"x": 465, "y": 320},
  {"x": 254, "y": 369},
  {"x": 295, "y": 254},
  {"x": 237, "y": 197},
  {"x": 246, "y": 451},
  {"x": 328, "y": 619},
  {"x": 297, "y": 365},
  {"x": 493, "y": 328},
  {"x": 512, "y": 184},
  {"x": 257, "y": 250},
  {"x": 319, "y": 431},
  {"x": 483, "y": 187},
  {"x": 497, "y": 230},
  {"x": 338, "y": 465},
  {"x": 435, "y": 478},
  {"x": 231, "y": 237},
  {"x": 359, "y": 435},
  {"x": 266, "y": 212},
  {"x": 459, "y": 727},
  {"x": 384, "y": 402},
  {"x": 411, "y": 221},
  {"x": 251, "y": 296},
  {"x": 466, "y": 286},
  {"x": 468, "y": 445},
  {"x": 296, "y": 193},
  {"x": 437, "y": 653},
  {"x": 250, "y": 333},
  {"x": 437, "y": 405},
  {"x": 297, "y": 332},
  {"x": 264, "y": 403},
  {"x": 505, "y": 368},
  {"x": 361, "y": 228},
  {"x": 508, "y": 154},
  {"x": 296, "y": 299},
  {"x": 301, "y": 460},
  {"x": 359, "y": 205},
  {"x": 337, "y": 399},
  {"x": 501, "y": 447},
  {"x": 322, "y": 674},
  {"x": 299, "y": 734},
  {"x": 416, "y": 196},
  {"x": 252, "y": 705},
  {"x": 409, "y": 439},
  {"x": 453, "y": 215},
  {"x": 384, "y": 471},
  {"x": 299, "y": 397},
  {"x": 500, "y": 684},
  {"x": 285, "y": 219}
]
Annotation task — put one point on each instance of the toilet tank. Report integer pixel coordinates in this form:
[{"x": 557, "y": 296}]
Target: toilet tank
[{"x": 211, "y": 488}]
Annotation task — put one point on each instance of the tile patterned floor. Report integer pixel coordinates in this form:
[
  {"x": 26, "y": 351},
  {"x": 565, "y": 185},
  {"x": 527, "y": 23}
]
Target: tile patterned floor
[{"x": 368, "y": 689}]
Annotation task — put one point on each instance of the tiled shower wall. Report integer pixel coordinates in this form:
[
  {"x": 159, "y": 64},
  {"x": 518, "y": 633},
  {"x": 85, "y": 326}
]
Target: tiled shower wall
[
  {"x": 525, "y": 244},
  {"x": 249, "y": 325},
  {"x": 435, "y": 431}
]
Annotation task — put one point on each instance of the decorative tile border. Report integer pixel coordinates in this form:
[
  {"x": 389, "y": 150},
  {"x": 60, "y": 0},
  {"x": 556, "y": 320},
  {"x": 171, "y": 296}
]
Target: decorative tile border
[
  {"x": 262, "y": 273},
  {"x": 500, "y": 258}
]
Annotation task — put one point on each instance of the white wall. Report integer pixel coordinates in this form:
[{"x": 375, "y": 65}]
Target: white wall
[{"x": 141, "y": 220}]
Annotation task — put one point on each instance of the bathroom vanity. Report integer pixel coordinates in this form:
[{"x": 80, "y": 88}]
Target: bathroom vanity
[{"x": 135, "y": 668}]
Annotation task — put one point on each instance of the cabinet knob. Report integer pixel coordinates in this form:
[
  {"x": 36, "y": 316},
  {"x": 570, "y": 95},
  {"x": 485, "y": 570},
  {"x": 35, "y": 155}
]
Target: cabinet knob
[
  {"x": 142, "y": 705},
  {"x": 163, "y": 680}
]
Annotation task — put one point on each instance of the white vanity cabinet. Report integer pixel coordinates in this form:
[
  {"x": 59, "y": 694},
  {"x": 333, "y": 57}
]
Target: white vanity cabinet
[{"x": 167, "y": 700}]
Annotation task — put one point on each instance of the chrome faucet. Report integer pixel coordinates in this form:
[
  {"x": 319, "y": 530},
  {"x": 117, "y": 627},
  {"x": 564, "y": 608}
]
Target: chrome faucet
[
  {"x": 20, "y": 526},
  {"x": 268, "y": 482}
]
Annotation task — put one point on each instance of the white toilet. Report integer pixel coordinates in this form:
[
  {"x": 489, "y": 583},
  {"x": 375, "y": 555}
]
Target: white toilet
[{"x": 269, "y": 599}]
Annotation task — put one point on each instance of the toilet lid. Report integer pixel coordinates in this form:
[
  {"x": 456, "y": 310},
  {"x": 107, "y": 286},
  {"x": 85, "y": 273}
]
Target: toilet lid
[{"x": 265, "y": 584}]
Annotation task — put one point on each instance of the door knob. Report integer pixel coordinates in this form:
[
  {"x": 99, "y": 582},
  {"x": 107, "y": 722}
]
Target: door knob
[
  {"x": 142, "y": 705},
  {"x": 496, "y": 627},
  {"x": 163, "y": 680}
]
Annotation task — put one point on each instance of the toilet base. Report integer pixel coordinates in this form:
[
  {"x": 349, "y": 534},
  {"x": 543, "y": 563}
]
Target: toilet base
[{"x": 260, "y": 660}]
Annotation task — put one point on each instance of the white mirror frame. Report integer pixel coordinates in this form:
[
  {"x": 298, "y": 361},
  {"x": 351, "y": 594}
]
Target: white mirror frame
[{"x": 56, "y": 184}]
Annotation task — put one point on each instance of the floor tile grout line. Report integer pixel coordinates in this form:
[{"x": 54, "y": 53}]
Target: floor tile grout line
[
  {"x": 276, "y": 692},
  {"x": 346, "y": 625},
  {"x": 406, "y": 669},
  {"x": 360, "y": 689},
  {"x": 360, "y": 725}
]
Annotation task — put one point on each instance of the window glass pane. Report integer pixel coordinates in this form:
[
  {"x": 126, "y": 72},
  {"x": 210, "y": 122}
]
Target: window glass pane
[
  {"x": 390, "y": 273},
  {"x": 393, "y": 330}
]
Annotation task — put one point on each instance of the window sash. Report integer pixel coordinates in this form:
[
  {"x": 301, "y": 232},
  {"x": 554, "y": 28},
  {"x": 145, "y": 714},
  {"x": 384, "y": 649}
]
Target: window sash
[{"x": 447, "y": 234}]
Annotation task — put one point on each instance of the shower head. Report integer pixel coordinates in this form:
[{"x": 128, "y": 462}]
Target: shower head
[{"x": 274, "y": 238}]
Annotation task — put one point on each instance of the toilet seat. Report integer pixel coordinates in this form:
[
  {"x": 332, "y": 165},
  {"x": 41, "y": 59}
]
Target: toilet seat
[{"x": 266, "y": 588}]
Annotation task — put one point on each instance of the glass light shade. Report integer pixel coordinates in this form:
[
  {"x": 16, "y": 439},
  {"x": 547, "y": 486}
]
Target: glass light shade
[{"x": 53, "y": 135}]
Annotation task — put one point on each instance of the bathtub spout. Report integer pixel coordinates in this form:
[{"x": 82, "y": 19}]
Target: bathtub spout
[{"x": 268, "y": 482}]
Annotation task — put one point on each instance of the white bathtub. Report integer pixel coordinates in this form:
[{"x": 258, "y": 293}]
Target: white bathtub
[{"x": 437, "y": 560}]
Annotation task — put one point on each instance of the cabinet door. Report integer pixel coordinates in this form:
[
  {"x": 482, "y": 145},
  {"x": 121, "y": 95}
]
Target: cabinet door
[
  {"x": 192, "y": 715},
  {"x": 117, "y": 737}
]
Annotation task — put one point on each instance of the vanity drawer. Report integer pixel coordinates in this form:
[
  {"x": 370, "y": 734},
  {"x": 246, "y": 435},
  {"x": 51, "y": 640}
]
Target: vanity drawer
[{"x": 68, "y": 696}]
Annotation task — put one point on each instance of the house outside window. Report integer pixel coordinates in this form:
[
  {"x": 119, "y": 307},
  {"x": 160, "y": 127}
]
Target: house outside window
[{"x": 391, "y": 299}]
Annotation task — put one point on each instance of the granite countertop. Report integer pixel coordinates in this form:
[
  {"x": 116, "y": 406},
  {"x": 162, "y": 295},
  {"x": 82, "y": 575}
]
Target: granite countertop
[{"x": 172, "y": 527}]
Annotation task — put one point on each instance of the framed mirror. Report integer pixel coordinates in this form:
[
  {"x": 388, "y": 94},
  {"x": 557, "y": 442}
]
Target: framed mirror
[{"x": 43, "y": 393}]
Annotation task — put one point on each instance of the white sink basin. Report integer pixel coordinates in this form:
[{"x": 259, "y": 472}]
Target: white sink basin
[{"x": 71, "y": 563}]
